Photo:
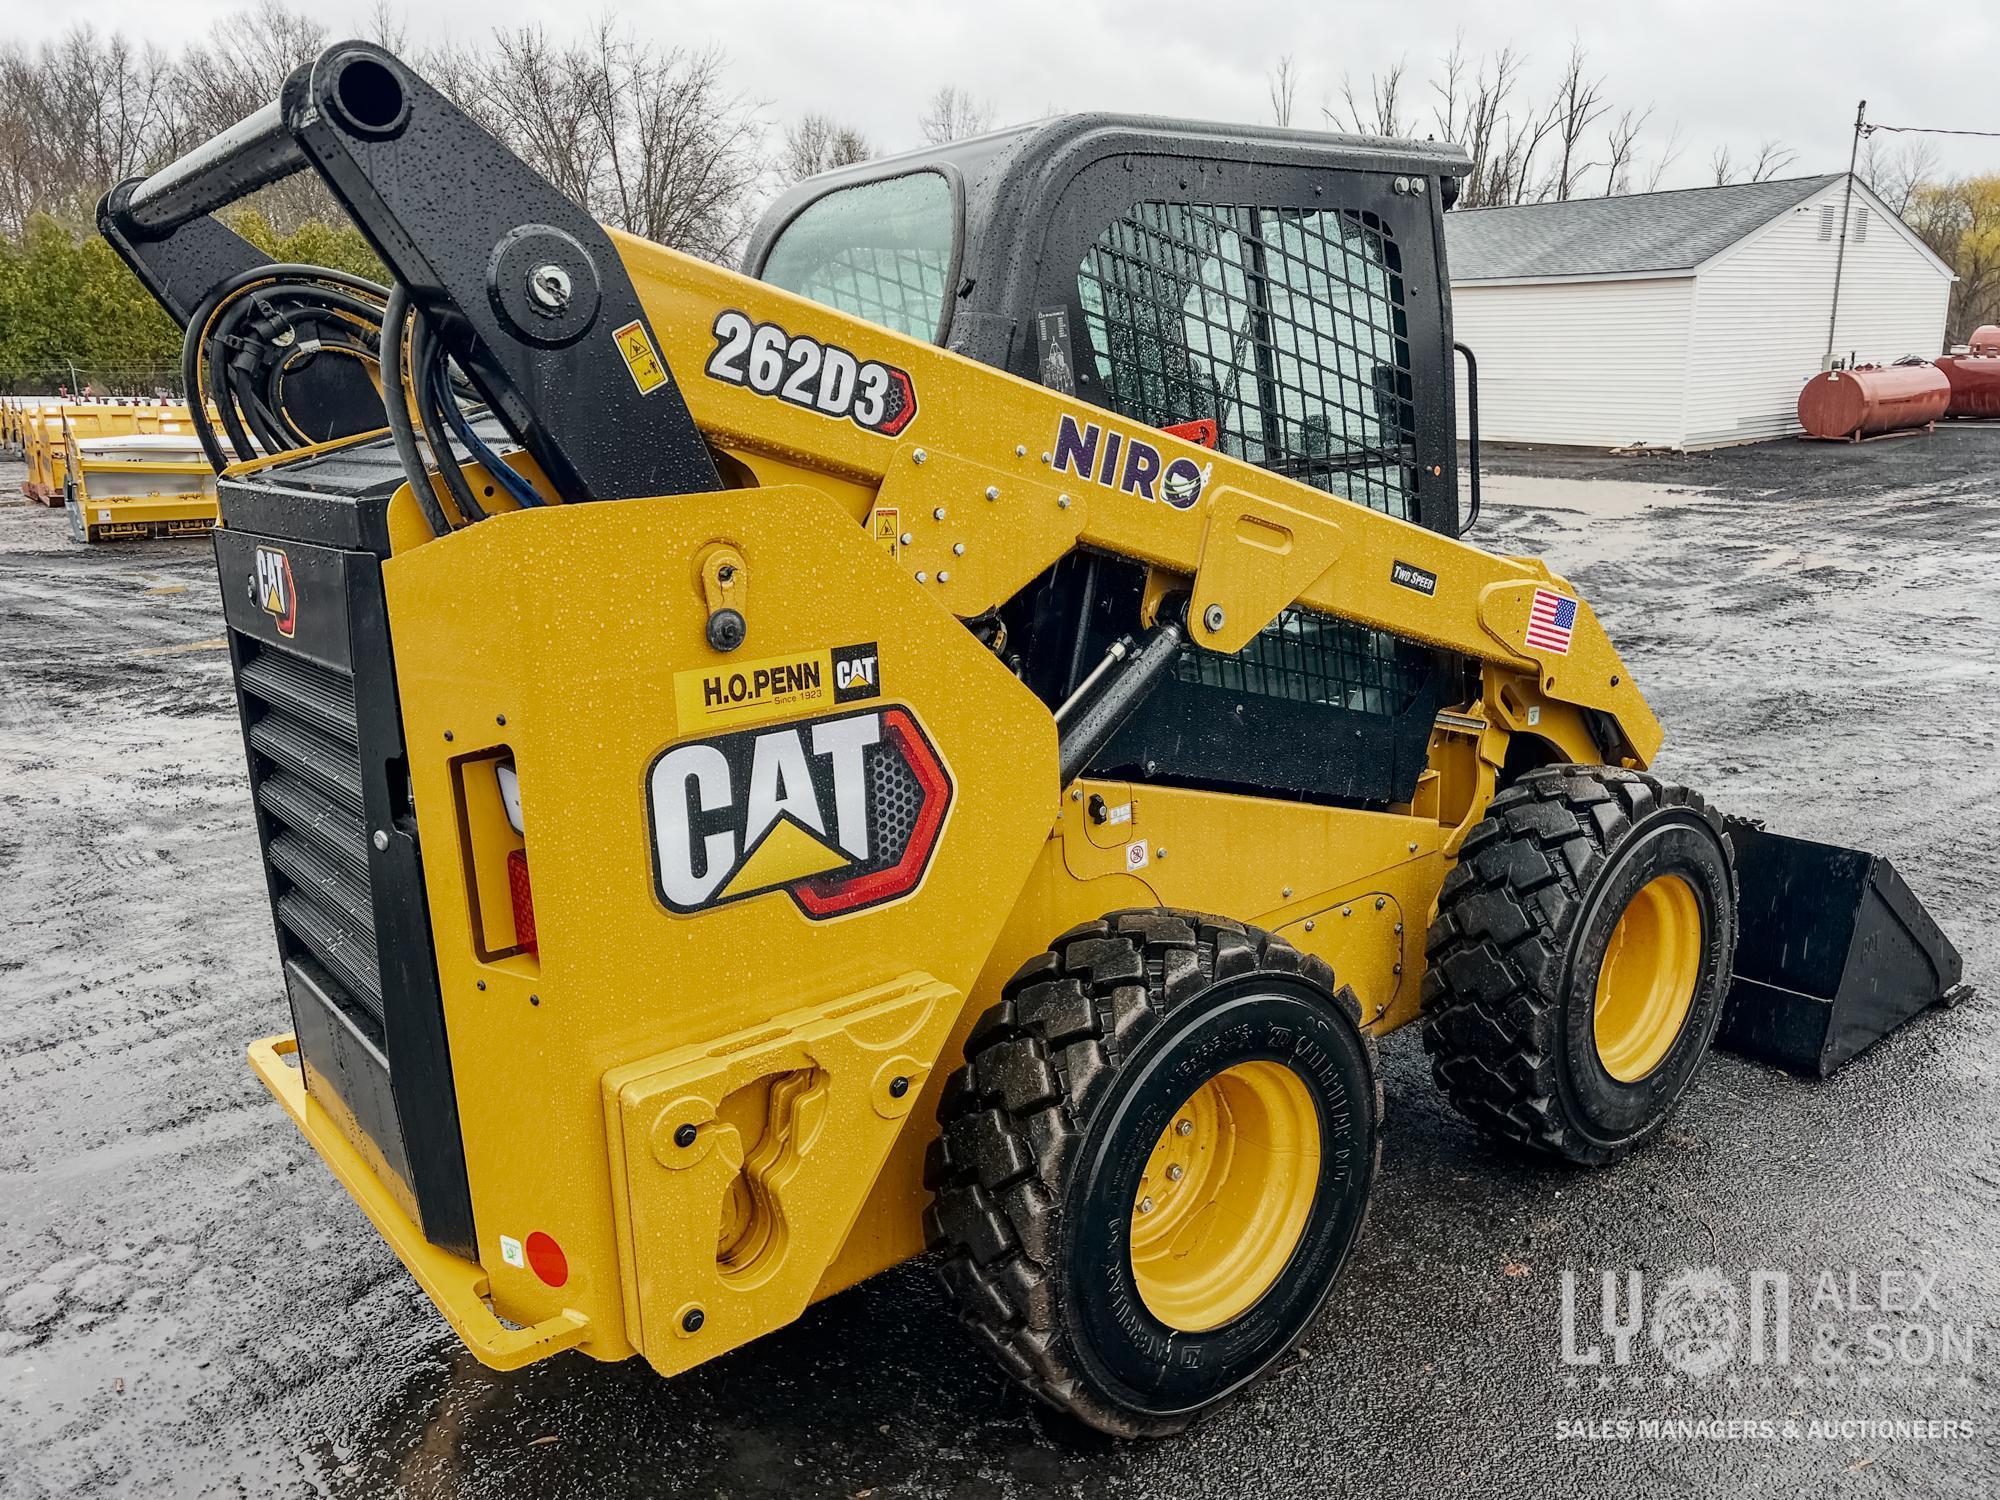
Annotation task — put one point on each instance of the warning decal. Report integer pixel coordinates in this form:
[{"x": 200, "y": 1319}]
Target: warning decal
[{"x": 640, "y": 357}]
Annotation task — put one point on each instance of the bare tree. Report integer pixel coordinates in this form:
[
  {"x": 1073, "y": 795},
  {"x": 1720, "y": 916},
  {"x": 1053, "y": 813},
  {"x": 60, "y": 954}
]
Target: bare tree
[
  {"x": 1282, "y": 84},
  {"x": 1579, "y": 104},
  {"x": 1722, "y": 170},
  {"x": 1493, "y": 86},
  {"x": 1670, "y": 152},
  {"x": 1896, "y": 175},
  {"x": 1773, "y": 156},
  {"x": 1384, "y": 112},
  {"x": 1619, "y": 144},
  {"x": 953, "y": 114},
  {"x": 819, "y": 143},
  {"x": 651, "y": 141}
]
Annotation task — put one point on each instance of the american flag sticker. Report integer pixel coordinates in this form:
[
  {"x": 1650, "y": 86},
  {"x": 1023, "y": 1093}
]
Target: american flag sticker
[{"x": 1551, "y": 621}]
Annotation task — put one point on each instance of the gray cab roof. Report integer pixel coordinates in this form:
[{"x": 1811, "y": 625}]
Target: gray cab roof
[
  {"x": 1007, "y": 171},
  {"x": 1624, "y": 236}
]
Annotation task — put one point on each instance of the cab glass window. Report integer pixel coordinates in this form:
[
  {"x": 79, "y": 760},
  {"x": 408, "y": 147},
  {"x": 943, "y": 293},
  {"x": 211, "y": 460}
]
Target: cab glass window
[{"x": 881, "y": 251}]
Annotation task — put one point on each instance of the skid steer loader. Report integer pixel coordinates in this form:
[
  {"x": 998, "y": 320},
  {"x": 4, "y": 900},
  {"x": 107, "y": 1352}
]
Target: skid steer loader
[{"x": 963, "y": 739}]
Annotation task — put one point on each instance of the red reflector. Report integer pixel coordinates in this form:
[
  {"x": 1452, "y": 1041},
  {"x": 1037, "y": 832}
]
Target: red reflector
[
  {"x": 524, "y": 906},
  {"x": 1201, "y": 430},
  {"x": 546, "y": 1259}
]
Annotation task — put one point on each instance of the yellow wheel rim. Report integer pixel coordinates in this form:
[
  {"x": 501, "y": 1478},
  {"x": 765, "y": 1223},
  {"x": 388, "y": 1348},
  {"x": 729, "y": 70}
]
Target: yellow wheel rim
[
  {"x": 1225, "y": 1196},
  {"x": 1645, "y": 986}
]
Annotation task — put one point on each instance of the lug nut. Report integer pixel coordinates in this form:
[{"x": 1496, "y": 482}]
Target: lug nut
[
  {"x": 1145, "y": 1205},
  {"x": 1176, "y": 1172},
  {"x": 1185, "y": 1127}
]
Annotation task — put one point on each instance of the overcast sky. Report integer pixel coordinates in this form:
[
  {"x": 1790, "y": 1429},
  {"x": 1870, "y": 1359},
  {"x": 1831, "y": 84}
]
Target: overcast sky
[{"x": 1731, "y": 72}]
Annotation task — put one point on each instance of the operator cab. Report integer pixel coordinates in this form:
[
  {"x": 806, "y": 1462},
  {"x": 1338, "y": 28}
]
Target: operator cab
[{"x": 1276, "y": 294}]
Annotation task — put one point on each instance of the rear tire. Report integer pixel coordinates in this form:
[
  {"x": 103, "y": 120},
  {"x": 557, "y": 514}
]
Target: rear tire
[
  {"x": 1075, "y": 1199},
  {"x": 1579, "y": 960}
]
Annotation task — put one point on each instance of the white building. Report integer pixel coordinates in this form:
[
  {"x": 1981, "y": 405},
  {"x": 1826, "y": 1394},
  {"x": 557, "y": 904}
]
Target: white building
[{"x": 1684, "y": 319}]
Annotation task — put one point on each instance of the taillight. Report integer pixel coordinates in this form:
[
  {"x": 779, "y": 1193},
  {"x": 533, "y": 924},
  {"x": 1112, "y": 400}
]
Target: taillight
[{"x": 524, "y": 900}]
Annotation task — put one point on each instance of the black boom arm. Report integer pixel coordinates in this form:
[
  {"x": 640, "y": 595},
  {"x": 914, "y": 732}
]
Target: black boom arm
[{"x": 523, "y": 289}]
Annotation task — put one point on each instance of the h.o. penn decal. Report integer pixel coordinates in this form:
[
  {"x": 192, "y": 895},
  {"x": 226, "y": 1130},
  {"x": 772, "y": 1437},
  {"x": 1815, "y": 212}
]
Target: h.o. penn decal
[
  {"x": 749, "y": 692},
  {"x": 801, "y": 370},
  {"x": 1128, "y": 463},
  {"x": 274, "y": 590},
  {"x": 840, "y": 813}
]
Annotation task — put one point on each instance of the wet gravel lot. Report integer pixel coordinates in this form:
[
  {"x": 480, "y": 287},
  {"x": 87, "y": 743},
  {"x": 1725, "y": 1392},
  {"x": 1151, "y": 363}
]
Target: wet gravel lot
[{"x": 189, "y": 1305}]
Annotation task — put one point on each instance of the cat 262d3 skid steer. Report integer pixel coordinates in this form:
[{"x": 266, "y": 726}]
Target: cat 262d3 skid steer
[{"x": 964, "y": 738}]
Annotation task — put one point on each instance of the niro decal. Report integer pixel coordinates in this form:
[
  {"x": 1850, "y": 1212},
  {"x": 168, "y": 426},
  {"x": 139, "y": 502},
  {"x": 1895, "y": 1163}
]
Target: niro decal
[
  {"x": 1129, "y": 464},
  {"x": 276, "y": 595},
  {"x": 748, "y": 692},
  {"x": 840, "y": 813},
  {"x": 799, "y": 369}
]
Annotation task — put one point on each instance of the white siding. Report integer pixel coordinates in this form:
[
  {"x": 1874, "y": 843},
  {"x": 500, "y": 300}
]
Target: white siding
[
  {"x": 1761, "y": 310},
  {"x": 1600, "y": 364}
]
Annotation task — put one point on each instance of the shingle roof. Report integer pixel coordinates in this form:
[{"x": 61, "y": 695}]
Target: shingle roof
[{"x": 1615, "y": 236}]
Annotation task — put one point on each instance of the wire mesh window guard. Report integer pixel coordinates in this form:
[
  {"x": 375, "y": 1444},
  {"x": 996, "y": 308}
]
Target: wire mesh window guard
[{"x": 1286, "y": 326}]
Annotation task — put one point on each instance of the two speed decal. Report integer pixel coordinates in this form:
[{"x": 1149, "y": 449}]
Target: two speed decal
[{"x": 799, "y": 369}]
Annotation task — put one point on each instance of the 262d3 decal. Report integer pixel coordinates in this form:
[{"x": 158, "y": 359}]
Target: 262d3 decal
[
  {"x": 840, "y": 813},
  {"x": 799, "y": 369}
]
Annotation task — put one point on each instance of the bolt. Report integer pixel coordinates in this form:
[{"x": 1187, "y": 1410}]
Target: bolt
[
  {"x": 1399, "y": 968},
  {"x": 381, "y": 839},
  {"x": 447, "y": 736},
  {"x": 1159, "y": 852},
  {"x": 1062, "y": 502},
  {"x": 1211, "y": 618},
  {"x": 1413, "y": 846},
  {"x": 992, "y": 492},
  {"x": 1399, "y": 929},
  {"x": 480, "y": 982},
  {"x": 501, "y": 720},
  {"x": 898, "y": 1086},
  {"x": 923, "y": 578},
  {"x": 1176, "y": 1172},
  {"x": 692, "y": 1319},
  {"x": 1309, "y": 924},
  {"x": 919, "y": 456},
  {"x": 943, "y": 576},
  {"x": 1380, "y": 902},
  {"x": 958, "y": 549},
  {"x": 684, "y": 1136},
  {"x": 938, "y": 514},
  {"x": 548, "y": 288},
  {"x": 726, "y": 573},
  {"x": 1347, "y": 911},
  {"x": 534, "y": 999},
  {"x": 1020, "y": 450},
  {"x": 1145, "y": 1205},
  {"x": 906, "y": 539},
  {"x": 1185, "y": 1127},
  {"x": 1076, "y": 796},
  {"x": 1286, "y": 893}
]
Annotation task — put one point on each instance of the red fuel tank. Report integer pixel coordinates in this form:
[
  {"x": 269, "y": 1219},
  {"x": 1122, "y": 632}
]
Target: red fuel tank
[
  {"x": 1872, "y": 399},
  {"x": 1974, "y": 379}
]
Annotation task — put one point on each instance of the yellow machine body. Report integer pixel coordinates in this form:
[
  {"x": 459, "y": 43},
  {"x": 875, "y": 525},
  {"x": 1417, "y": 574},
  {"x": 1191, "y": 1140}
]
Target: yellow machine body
[{"x": 808, "y": 1052}]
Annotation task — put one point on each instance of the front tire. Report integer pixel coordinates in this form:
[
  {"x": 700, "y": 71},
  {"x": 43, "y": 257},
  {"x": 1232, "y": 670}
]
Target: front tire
[
  {"x": 1154, "y": 1164},
  {"x": 1581, "y": 953}
]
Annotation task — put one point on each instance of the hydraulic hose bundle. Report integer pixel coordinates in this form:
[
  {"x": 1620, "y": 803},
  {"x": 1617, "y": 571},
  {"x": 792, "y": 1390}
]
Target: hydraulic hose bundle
[
  {"x": 260, "y": 330},
  {"x": 262, "y": 327},
  {"x": 425, "y": 380}
]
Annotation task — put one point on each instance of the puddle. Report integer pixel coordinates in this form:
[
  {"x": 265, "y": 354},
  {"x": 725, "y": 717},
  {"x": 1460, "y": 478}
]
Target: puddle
[{"x": 1610, "y": 499}]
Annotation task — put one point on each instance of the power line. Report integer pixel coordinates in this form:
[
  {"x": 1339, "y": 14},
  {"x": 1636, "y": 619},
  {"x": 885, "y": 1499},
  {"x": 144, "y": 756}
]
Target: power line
[{"x": 1871, "y": 128}]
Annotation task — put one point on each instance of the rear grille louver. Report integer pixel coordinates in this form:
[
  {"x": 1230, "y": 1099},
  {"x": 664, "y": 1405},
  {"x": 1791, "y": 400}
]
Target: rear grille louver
[{"x": 306, "y": 773}]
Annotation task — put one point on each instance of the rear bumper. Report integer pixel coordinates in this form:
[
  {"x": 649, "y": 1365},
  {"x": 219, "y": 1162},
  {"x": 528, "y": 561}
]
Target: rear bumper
[{"x": 459, "y": 1287}]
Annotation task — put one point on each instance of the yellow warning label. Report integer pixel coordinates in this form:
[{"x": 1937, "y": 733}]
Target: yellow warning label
[
  {"x": 749, "y": 692},
  {"x": 889, "y": 528},
  {"x": 640, "y": 358}
]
